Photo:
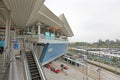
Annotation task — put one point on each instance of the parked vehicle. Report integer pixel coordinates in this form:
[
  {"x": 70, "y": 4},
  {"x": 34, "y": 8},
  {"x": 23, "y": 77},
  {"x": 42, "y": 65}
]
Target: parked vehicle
[
  {"x": 55, "y": 70},
  {"x": 48, "y": 66},
  {"x": 66, "y": 67}
]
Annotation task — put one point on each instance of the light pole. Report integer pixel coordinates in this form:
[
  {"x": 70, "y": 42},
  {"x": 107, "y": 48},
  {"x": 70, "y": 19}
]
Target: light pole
[
  {"x": 83, "y": 73},
  {"x": 86, "y": 72},
  {"x": 98, "y": 71},
  {"x": 116, "y": 66},
  {"x": 66, "y": 75},
  {"x": 86, "y": 66}
]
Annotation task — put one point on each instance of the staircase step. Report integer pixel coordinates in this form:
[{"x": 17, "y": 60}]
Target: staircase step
[
  {"x": 34, "y": 67},
  {"x": 34, "y": 70},
  {"x": 33, "y": 74},
  {"x": 30, "y": 59},
  {"x": 36, "y": 77},
  {"x": 31, "y": 62}
]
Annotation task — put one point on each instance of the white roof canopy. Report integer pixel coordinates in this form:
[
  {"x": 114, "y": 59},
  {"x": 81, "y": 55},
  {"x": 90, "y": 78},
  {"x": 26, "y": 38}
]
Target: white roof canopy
[{"x": 29, "y": 12}]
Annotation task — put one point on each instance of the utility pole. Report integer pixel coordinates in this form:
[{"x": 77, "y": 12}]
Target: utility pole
[
  {"x": 99, "y": 69},
  {"x": 85, "y": 58},
  {"x": 99, "y": 73},
  {"x": 83, "y": 73},
  {"x": 86, "y": 72}
]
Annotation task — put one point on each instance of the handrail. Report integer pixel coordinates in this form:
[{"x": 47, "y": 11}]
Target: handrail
[
  {"x": 11, "y": 71},
  {"x": 26, "y": 68},
  {"x": 38, "y": 65},
  {"x": 42, "y": 37},
  {"x": 25, "y": 63},
  {"x": 27, "y": 73},
  {"x": 4, "y": 57}
]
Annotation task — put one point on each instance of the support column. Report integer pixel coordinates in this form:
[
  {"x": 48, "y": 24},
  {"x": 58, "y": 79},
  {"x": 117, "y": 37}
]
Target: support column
[
  {"x": 14, "y": 34},
  {"x": 28, "y": 29},
  {"x": 58, "y": 36},
  {"x": 61, "y": 35},
  {"x": 54, "y": 32},
  {"x": 39, "y": 30},
  {"x": 7, "y": 31},
  {"x": 33, "y": 30}
]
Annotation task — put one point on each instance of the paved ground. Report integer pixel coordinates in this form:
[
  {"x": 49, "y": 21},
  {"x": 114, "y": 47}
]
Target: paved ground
[
  {"x": 104, "y": 74},
  {"x": 74, "y": 72},
  {"x": 79, "y": 73},
  {"x": 109, "y": 67},
  {"x": 70, "y": 74}
]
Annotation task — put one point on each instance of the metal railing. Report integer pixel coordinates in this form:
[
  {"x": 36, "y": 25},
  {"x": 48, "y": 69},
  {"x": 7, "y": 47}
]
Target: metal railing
[
  {"x": 41, "y": 36},
  {"x": 29, "y": 45},
  {"x": 26, "y": 72},
  {"x": 9, "y": 66},
  {"x": 13, "y": 73},
  {"x": 26, "y": 68},
  {"x": 43, "y": 77}
]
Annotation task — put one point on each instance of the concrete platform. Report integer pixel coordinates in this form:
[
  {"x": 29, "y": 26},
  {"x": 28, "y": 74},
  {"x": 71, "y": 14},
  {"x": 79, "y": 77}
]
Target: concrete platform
[
  {"x": 113, "y": 69},
  {"x": 70, "y": 74},
  {"x": 79, "y": 73}
]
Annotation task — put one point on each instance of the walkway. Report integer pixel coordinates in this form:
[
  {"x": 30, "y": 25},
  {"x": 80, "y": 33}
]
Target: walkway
[{"x": 114, "y": 69}]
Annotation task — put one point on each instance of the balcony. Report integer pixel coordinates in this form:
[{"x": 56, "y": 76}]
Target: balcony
[{"x": 45, "y": 39}]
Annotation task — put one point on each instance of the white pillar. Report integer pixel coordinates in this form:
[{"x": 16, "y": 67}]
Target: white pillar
[
  {"x": 39, "y": 29},
  {"x": 57, "y": 33},
  {"x": 54, "y": 31},
  {"x": 28, "y": 29},
  {"x": 14, "y": 34},
  {"x": 7, "y": 31},
  {"x": 33, "y": 30},
  {"x": 61, "y": 35}
]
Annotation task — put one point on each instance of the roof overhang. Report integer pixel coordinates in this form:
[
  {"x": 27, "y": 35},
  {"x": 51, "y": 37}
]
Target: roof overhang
[
  {"x": 23, "y": 11},
  {"x": 3, "y": 14},
  {"x": 49, "y": 18},
  {"x": 35, "y": 11},
  {"x": 66, "y": 29}
]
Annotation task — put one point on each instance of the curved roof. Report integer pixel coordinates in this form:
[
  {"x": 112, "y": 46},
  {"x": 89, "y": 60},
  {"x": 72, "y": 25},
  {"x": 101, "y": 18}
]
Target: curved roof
[
  {"x": 49, "y": 17},
  {"x": 29, "y": 12},
  {"x": 23, "y": 10},
  {"x": 67, "y": 30}
]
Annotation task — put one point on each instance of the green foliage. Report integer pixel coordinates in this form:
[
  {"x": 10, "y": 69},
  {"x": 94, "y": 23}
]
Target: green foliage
[
  {"x": 100, "y": 44},
  {"x": 76, "y": 44}
]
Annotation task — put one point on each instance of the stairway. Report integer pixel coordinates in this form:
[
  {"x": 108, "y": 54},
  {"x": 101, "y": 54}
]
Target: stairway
[{"x": 32, "y": 66}]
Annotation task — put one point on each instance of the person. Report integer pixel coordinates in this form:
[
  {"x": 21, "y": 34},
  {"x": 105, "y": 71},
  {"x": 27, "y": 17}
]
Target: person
[
  {"x": 62, "y": 67},
  {"x": 2, "y": 43}
]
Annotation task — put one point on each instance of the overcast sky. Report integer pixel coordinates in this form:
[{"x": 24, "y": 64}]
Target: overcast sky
[{"x": 90, "y": 20}]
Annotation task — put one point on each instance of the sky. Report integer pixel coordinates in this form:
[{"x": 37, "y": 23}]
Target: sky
[{"x": 90, "y": 20}]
